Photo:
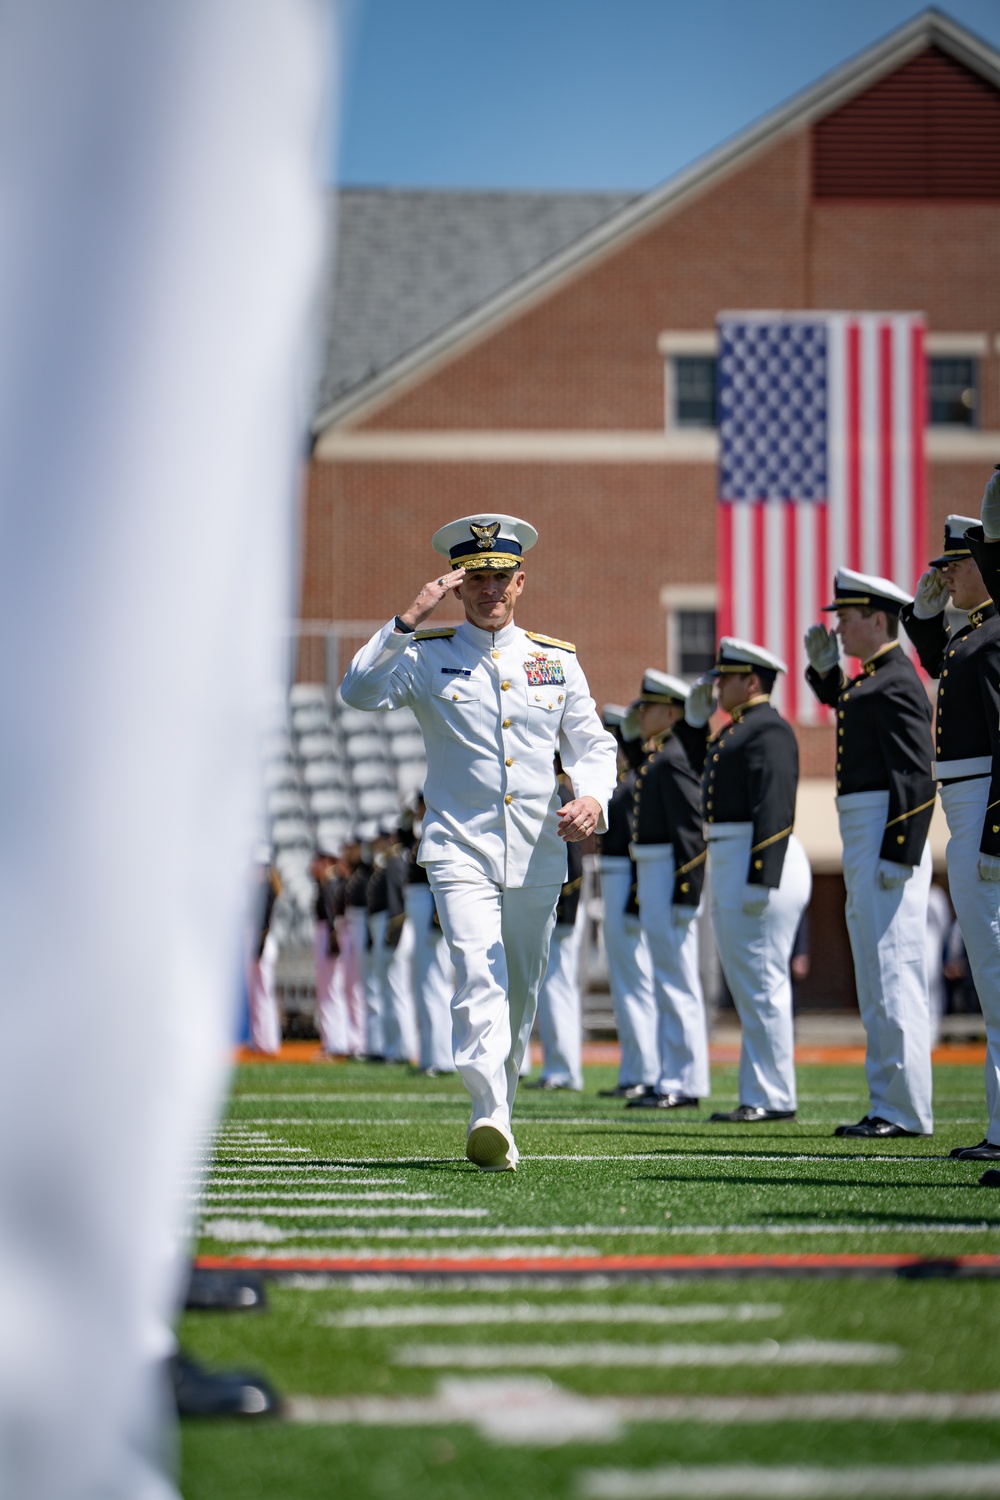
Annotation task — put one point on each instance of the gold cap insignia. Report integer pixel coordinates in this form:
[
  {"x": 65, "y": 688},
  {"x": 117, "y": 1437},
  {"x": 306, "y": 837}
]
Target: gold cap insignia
[{"x": 485, "y": 535}]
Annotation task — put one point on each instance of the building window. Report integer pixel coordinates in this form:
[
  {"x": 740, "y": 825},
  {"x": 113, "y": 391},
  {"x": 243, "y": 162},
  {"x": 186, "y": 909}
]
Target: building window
[
  {"x": 695, "y": 646},
  {"x": 952, "y": 391},
  {"x": 694, "y": 390}
]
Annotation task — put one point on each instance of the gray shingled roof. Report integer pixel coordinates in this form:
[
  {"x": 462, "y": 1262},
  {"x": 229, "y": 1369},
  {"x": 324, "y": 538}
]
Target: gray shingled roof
[{"x": 408, "y": 263}]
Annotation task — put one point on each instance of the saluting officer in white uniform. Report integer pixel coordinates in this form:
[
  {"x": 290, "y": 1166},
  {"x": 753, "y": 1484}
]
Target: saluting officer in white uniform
[
  {"x": 630, "y": 968},
  {"x": 968, "y": 683},
  {"x": 668, "y": 847},
  {"x": 760, "y": 876},
  {"x": 495, "y": 704},
  {"x": 885, "y": 798}
]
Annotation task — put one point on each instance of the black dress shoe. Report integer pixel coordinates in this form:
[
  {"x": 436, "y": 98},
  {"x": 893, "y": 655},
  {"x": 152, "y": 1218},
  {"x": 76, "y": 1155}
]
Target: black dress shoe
[
  {"x": 983, "y": 1152},
  {"x": 990, "y": 1178},
  {"x": 626, "y": 1091},
  {"x": 219, "y": 1393},
  {"x": 843, "y": 1129},
  {"x": 548, "y": 1085},
  {"x": 875, "y": 1126},
  {"x": 751, "y": 1114},
  {"x": 663, "y": 1101}
]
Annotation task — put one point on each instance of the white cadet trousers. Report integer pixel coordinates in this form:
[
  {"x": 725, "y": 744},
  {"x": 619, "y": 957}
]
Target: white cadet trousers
[
  {"x": 630, "y": 975},
  {"x": 161, "y": 230},
  {"x": 682, "y": 1030},
  {"x": 434, "y": 981},
  {"x": 499, "y": 943},
  {"x": 265, "y": 1021},
  {"x": 330, "y": 1019},
  {"x": 977, "y": 906},
  {"x": 755, "y": 954},
  {"x": 348, "y": 978},
  {"x": 886, "y": 929},
  {"x": 387, "y": 968},
  {"x": 560, "y": 1006}
]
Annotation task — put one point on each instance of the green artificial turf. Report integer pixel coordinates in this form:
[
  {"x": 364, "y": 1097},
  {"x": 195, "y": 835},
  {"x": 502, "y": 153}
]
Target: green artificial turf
[{"x": 594, "y": 1179}]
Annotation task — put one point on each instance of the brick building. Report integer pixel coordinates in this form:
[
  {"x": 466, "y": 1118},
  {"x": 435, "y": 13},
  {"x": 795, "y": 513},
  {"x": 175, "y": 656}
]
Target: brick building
[{"x": 551, "y": 355}]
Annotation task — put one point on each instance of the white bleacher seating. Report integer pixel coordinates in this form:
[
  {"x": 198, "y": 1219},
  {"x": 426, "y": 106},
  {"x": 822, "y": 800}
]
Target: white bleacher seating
[
  {"x": 286, "y": 802},
  {"x": 318, "y": 747},
  {"x": 410, "y": 777},
  {"x": 324, "y": 773},
  {"x": 364, "y": 747},
  {"x": 333, "y": 832},
  {"x": 313, "y": 719},
  {"x": 331, "y": 802},
  {"x": 289, "y": 833},
  {"x": 280, "y": 773},
  {"x": 308, "y": 692},
  {"x": 355, "y": 720},
  {"x": 369, "y": 773},
  {"x": 407, "y": 747},
  {"x": 378, "y": 802}
]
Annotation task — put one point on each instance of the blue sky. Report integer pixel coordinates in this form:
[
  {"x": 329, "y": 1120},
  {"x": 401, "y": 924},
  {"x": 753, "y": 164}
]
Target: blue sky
[{"x": 577, "y": 94}]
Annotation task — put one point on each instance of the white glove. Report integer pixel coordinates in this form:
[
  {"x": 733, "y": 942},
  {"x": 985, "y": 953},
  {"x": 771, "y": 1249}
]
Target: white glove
[
  {"x": 700, "y": 703},
  {"x": 990, "y": 513},
  {"x": 683, "y": 916},
  {"x": 989, "y": 867},
  {"x": 755, "y": 899},
  {"x": 822, "y": 649},
  {"x": 932, "y": 594},
  {"x": 890, "y": 875}
]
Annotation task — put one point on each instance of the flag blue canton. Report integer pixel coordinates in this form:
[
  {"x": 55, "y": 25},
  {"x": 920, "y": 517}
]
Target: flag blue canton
[{"x": 772, "y": 397}]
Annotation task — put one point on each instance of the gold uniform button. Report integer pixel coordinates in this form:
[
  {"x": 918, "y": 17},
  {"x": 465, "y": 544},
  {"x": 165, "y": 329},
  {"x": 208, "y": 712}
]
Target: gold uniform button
[
  {"x": 506, "y": 724},
  {"x": 840, "y": 713},
  {"x": 560, "y": 697},
  {"x": 495, "y": 655},
  {"x": 758, "y": 864},
  {"x": 504, "y": 686},
  {"x": 508, "y": 761},
  {"x": 685, "y": 887},
  {"x": 996, "y": 827},
  {"x": 945, "y": 672},
  {"x": 900, "y": 839},
  {"x": 454, "y": 697},
  {"x": 508, "y": 799}
]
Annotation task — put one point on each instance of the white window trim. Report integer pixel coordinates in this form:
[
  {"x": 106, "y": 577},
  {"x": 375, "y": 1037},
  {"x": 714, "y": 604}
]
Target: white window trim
[
  {"x": 675, "y": 597},
  {"x": 690, "y": 341}
]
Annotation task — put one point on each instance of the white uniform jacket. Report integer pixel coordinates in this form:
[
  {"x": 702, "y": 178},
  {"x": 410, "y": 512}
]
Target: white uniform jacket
[{"x": 494, "y": 709}]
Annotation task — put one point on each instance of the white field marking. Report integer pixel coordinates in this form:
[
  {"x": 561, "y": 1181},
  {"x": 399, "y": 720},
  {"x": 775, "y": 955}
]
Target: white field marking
[
  {"x": 788, "y": 1482},
  {"x": 775, "y": 1158},
  {"x": 460, "y": 1252},
  {"x": 348, "y": 1098},
  {"x": 277, "y": 1196},
  {"x": 359, "y": 1164},
  {"x": 532, "y": 1231},
  {"x": 474, "y": 1314},
  {"x": 557, "y": 1283},
  {"x": 278, "y": 1212},
  {"x": 255, "y": 1182},
  {"x": 532, "y": 1409},
  {"x": 798, "y": 1352}
]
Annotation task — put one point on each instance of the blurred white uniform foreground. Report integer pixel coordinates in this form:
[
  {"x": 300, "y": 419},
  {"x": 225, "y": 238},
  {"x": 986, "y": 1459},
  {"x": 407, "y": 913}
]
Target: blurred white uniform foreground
[{"x": 161, "y": 238}]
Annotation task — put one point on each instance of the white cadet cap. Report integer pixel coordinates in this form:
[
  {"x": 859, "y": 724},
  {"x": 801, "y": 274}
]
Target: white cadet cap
[
  {"x": 955, "y": 545},
  {"x": 612, "y": 715},
  {"x": 657, "y": 687},
  {"x": 735, "y": 655},
  {"x": 485, "y": 541},
  {"x": 850, "y": 588}
]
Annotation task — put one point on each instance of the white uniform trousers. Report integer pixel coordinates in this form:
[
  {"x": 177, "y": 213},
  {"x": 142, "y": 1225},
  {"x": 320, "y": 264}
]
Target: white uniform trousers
[
  {"x": 682, "y": 1030},
  {"x": 499, "y": 943},
  {"x": 630, "y": 975},
  {"x": 330, "y": 1019},
  {"x": 755, "y": 954},
  {"x": 348, "y": 980},
  {"x": 560, "y": 1006},
  {"x": 386, "y": 976},
  {"x": 977, "y": 906},
  {"x": 886, "y": 929},
  {"x": 434, "y": 982},
  {"x": 265, "y": 1021}
]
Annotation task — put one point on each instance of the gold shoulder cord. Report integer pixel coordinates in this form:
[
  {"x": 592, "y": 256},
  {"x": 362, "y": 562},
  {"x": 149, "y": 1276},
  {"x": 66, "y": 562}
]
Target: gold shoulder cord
[{"x": 550, "y": 640}]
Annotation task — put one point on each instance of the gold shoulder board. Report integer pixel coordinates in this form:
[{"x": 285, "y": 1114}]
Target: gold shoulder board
[
  {"x": 550, "y": 640},
  {"x": 442, "y": 633}
]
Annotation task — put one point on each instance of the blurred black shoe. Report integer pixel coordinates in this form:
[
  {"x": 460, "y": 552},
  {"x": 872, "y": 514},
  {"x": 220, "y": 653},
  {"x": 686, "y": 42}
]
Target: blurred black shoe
[
  {"x": 751, "y": 1114},
  {"x": 874, "y": 1127},
  {"x": 219, "y": 1393},
  {"x": 626, "y": 1091},
  {"x": 990, "y": 1178},
  {"x": 663, "y": 1101},
  {"x": 983, "y": 1152},
  {"x": 224, "y": 1291}
]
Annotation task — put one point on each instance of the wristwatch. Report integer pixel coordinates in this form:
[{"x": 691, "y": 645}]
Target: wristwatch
[{"x": 406, "y": 629}]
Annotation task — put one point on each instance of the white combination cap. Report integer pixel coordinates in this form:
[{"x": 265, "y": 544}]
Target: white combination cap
[
  {"x": 865, "y": 588},
  {"x": 735, "y": 655},
  {"x": 485, "y": 541}
]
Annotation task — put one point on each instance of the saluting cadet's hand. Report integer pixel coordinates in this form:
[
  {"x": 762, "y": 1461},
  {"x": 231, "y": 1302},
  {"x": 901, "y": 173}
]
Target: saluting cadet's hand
[
  {"x": 430, "y": 597},
  {"x": 755, "y": 899},
  {"x": 989, "y": 867},
  {"x": 700, "y": 702},
  {"x": 890, "y": 875},
  {"x": 932, "y": 594},
  {"x": 578, "y": 819},
  {"x": 822, "y": 649},
  {"x": 990, "y": 513}
]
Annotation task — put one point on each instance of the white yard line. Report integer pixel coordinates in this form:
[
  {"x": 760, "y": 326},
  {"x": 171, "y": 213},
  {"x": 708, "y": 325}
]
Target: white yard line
[
  {"x": 478, "y": 1314},
  {"x": 788, "y": 1482},
  {"x": 797, "y": 1352},
  {"x": 532, "y": 1231},
  {"x": 279, "y": 1197},
  {"x": 277, "y": 1189}
]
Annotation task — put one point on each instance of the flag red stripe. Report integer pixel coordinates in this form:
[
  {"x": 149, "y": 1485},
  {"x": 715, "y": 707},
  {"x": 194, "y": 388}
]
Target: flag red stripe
[
  {"x": 852, "y": 446},
  {"x": 886, "y": 436},
  {"x": 759, "y": 577},
  {"x": 791, "y": 591},
  {"x": 724, "y": 568}
]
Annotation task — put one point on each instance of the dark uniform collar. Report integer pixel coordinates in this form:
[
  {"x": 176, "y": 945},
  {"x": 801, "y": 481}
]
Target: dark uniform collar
[
  {"x": 881, "y": 656},
  {"x": 985, "y": 611},
  {"x": 744, "y": 708}
]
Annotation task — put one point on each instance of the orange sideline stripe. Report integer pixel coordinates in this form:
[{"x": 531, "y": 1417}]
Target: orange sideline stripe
[
  {"x": 589, "y": 1263},
  {"x": 608, "y": 1053}
]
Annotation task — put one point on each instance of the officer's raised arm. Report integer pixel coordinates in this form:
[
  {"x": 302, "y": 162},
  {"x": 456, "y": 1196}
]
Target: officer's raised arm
[{"x": 380, "y": 676}]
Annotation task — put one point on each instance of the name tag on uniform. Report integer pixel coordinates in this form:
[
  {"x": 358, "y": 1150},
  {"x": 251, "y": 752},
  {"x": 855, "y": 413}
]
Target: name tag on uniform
[
  {"x": 457, "y": 671},
  {"x": 543, "y": 671}
]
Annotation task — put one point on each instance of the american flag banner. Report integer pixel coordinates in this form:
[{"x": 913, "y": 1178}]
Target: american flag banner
[{"x": 821, "y": 465}]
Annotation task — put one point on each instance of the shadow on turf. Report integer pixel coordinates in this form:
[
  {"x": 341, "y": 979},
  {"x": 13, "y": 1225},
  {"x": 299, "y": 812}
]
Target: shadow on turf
[{"x": 729, "y": 1180}]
